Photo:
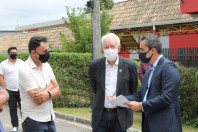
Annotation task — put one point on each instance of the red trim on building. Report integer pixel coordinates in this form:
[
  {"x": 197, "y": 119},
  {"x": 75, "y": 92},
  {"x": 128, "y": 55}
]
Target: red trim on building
[
  {"x": 182, "y": 41},
  {"x": 32, "y": 30},
  {"x": 125, "y": 54},
  {"x": 189, "y": 6}
]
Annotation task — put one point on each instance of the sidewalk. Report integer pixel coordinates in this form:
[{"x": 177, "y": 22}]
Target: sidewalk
[
  {"x": 62, "y": 125},
  {"x": 61, "y": 121},
  {"x": 83, "y": 120}
]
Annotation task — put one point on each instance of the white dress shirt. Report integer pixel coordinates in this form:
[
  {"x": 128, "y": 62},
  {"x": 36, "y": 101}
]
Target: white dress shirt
[
  {"x": 9, "y": 70},
  {"x": 31, "y": 77},
  {"x": 110, "y": 82}
]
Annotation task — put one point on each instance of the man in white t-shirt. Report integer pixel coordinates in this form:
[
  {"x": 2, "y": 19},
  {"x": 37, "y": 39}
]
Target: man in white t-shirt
[
  {"x": 9, "y": 81},
  {"x": 38, "y": 86}
]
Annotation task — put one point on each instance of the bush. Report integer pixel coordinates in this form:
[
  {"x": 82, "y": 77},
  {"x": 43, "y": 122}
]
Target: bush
[
  {"x": 189, "y": 94},
  {"x": 3, "y": 56},
  {"x": 21, "y": 55},
  {"x": 71, "y": 72}
]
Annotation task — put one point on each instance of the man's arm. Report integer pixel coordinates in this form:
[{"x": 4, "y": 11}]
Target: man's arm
[
  {"x": 40, "y": 96},
  {"x": 92, "y": 77},
  {"x": 2, "y": 83},
  {"x": 136, "y": 95},
  {"x": 169, "y": 91},
  {"x": 32, "y": 93},
  {"x": 55, "y": 91},
  {"x": 4, "y": 96}
]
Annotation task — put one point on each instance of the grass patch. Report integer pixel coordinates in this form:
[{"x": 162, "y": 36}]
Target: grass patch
[
  {"x": 82, "y": 112},
  {"x": 137, "y": 120},
  {"x": 137, "y": 117}
]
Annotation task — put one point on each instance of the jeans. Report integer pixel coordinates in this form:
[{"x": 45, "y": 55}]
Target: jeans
[
  {"x": 109, "y": 122},
  {"x": 12, "y": 102},
  {"x": 30, "y": 125}
]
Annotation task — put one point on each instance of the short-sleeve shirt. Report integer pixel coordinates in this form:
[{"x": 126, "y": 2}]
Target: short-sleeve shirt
[
  {"x": 31, "y": 77},
  {"x": 9, "y": 70}
]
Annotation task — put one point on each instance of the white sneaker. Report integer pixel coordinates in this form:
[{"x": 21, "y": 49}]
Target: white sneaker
[{"x": 14, "y": 129}]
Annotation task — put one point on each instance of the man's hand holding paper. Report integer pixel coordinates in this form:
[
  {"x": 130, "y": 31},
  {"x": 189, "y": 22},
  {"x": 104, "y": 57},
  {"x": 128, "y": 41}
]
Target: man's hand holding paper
[{"x": 118, "y": 101}]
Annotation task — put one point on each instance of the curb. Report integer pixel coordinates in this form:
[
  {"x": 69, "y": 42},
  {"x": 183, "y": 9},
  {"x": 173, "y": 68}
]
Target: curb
[{"x": 83, "y": 120}]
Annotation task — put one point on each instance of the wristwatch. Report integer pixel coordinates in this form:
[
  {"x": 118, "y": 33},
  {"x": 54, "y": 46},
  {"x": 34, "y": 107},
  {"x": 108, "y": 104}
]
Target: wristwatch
[{"x": 50, "y": 95}]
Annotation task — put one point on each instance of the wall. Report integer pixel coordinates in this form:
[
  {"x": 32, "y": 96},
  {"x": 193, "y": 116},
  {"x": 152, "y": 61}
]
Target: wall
[
  {"x": 165, "y": 41},
  {"x": 181, "y": 41},
  {"x": 189, "y": 6}
]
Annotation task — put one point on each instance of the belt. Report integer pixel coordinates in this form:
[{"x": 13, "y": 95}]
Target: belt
[{"x": 110, "y": 109}]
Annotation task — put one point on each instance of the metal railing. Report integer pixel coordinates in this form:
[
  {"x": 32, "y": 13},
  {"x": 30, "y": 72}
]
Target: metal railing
[{"x": 186, "y": 56}]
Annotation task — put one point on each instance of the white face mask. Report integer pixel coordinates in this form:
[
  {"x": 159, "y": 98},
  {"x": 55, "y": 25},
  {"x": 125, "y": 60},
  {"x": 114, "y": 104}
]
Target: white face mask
[{"x": 111, "y": 54}]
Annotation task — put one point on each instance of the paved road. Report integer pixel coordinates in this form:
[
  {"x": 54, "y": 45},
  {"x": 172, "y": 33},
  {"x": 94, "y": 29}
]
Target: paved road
[{"x": 61, "y": 125}]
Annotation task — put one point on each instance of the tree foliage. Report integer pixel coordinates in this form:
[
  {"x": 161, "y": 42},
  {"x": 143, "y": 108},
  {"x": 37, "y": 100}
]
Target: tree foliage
[
  {"x": 80, "y": 25},
  {"x": 106, "y": 4}
]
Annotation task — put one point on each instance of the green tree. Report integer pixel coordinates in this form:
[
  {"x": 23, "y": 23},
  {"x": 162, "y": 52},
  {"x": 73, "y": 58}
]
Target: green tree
[
  {"x": 108, "y": 4},
  {"x": 80, "y": 25}
]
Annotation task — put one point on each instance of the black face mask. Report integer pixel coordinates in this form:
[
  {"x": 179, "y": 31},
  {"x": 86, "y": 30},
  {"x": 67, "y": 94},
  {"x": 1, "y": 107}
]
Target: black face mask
[
  {"x": 142, "y": 57},
  {"x": 13, "y": 56},
  {"x": 43, "y": 57}
]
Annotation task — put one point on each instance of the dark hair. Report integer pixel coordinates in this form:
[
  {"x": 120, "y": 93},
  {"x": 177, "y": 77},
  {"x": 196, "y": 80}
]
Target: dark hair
[
  {"x": 35, "y": 42},
  {"x": 152, "y": 41},
  {"x": 11, "y": 49}
]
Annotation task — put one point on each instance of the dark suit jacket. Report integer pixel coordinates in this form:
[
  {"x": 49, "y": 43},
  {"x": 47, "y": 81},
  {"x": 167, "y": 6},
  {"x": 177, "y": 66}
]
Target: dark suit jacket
[
  {"x": 127, "y": 82},
  {"x": 162, "y": 105}
]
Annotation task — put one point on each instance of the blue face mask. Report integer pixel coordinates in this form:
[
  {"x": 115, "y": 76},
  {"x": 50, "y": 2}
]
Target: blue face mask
[{"x": 142, "y": 57}]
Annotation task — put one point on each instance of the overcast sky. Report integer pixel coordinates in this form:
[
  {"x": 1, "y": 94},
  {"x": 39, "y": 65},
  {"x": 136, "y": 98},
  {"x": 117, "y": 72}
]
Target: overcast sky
[{"x": 25, "y": 12}]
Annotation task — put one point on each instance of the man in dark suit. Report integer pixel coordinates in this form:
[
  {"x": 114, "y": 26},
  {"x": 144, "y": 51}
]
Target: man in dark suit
[
  {"x": 158, "y": 97},
  {"x": 111, "y": 76}
]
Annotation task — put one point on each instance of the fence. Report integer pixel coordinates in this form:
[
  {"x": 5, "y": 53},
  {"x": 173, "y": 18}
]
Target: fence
[{"x": 186, "y": 56}]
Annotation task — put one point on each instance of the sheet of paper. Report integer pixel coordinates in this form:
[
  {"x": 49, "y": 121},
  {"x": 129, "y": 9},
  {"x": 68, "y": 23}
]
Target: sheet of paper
[{"x": 119, "y": 101}]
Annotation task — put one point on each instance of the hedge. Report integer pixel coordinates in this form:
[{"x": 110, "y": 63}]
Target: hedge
[
  {"x": 71, "y": 71},
  {"x": 189, "y": 94}
]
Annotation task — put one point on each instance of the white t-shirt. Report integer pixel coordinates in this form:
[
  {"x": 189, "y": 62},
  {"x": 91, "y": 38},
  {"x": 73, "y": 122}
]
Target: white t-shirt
[
  {"x": 9, "y": 70},
  {"x": 31, "y": 77}
]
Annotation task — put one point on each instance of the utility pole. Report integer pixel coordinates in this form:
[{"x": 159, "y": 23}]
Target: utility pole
[
  {"x": 96, "y": 29},
  {"x": 96, "y": 34}
]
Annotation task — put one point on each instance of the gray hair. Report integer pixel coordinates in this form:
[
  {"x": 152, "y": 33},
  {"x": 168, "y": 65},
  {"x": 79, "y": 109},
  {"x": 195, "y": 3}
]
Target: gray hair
[
  {"x": 152, "y": 41},
  {"x": 111, "y": 35}
]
